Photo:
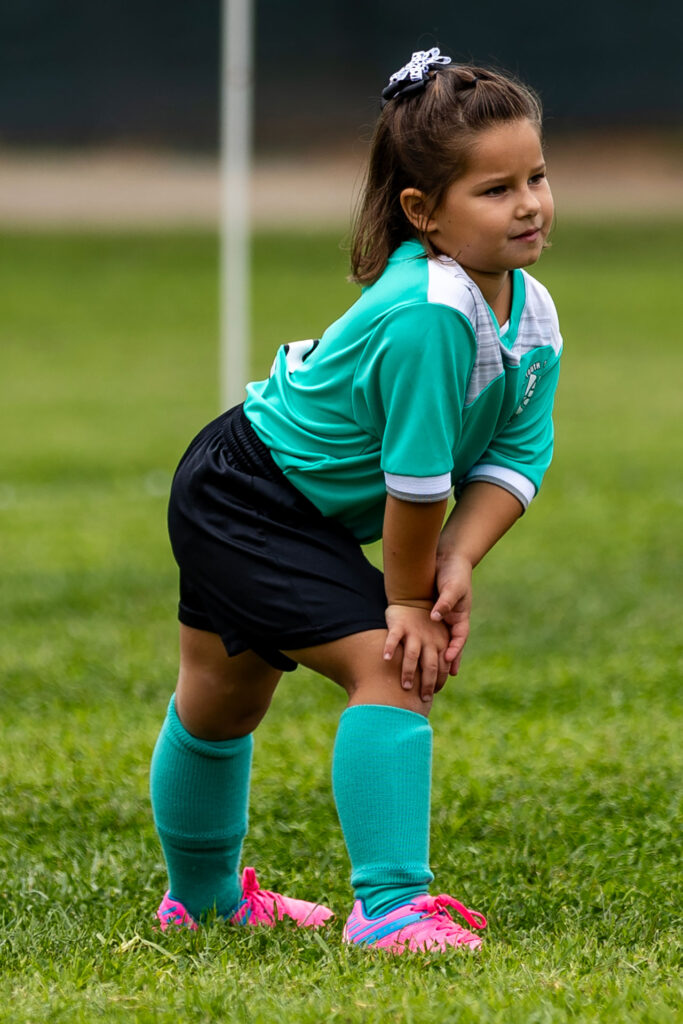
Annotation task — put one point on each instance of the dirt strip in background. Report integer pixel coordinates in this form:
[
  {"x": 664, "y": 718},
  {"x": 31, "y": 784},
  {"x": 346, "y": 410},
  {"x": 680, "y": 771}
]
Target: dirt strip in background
[{"x": 592, "y": 177}]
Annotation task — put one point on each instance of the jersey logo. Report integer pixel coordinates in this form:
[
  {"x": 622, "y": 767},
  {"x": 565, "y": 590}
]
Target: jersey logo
[
  {"x": 296, "y": 354},
  {"x": 531, "y": 379}
]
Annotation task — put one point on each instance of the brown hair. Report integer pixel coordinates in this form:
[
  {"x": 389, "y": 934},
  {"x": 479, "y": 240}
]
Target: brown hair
[{"x": 422, "y": 141}]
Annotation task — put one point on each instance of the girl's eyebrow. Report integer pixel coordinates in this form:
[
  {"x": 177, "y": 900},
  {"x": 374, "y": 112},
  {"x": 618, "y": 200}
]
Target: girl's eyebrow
[{"x": 503, "y": 176}]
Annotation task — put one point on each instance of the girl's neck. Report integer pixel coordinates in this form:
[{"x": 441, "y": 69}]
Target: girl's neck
[{"x": 496, "y": 289}]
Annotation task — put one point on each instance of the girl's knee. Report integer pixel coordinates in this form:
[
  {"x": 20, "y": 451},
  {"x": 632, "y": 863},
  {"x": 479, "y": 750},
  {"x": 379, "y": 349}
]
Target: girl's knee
[
  {"x": 214, "y": 712},
  {"x": 388, "y": 691},
  {"x": 224, "y": 699}
]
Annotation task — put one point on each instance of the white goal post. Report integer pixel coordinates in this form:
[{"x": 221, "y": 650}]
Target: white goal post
[{"x": 236, "y": 103}]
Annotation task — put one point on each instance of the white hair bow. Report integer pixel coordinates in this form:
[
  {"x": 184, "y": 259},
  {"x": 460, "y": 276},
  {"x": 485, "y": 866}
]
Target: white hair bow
[
  {"x": 419, "y": 64},
  {"x": 416, "y": 71}
]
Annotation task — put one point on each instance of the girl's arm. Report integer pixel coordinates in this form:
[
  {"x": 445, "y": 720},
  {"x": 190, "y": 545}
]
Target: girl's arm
[
  {"x": 410, "y": 540},
  {"x": 483, "y": 513}
]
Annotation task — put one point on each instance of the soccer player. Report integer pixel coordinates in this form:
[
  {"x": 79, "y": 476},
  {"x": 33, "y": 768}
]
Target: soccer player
[{"x": 442, "y": 374}]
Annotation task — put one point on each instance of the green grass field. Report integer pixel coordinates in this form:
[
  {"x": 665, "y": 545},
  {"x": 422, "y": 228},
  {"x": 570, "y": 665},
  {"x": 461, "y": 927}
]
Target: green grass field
[{"x": 558, "y": 754}]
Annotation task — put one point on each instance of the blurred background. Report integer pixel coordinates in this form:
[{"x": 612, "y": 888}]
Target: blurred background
[{"x": 109, "y": 113}]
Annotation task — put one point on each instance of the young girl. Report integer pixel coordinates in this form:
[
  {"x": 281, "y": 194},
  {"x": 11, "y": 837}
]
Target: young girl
[{"x": 442, "y": 373}]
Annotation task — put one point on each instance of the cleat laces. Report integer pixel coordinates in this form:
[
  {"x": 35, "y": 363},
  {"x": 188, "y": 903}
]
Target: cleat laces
[
  {"x": 436, "y": 909},
  {"x": 260, "y": 901},
  {"x": 262, "y": 906}
]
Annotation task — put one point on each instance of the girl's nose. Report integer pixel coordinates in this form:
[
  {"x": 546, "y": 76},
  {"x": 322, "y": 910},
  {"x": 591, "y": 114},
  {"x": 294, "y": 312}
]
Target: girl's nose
[{"x": 529, "y": 203}]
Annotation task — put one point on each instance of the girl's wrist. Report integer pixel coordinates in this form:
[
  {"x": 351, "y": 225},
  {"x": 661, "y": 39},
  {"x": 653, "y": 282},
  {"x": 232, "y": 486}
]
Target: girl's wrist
[
  {"x": 417, "y": 602},
  {"x": 452, "y": 555}
]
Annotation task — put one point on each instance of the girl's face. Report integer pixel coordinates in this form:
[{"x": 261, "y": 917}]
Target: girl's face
[{"x": 496, "y": 217}]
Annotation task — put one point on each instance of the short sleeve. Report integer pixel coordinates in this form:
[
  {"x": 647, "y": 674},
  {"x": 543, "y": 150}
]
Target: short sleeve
[
  {"x": 521, "y": 451},
  {"x": 413, "y": 379}
]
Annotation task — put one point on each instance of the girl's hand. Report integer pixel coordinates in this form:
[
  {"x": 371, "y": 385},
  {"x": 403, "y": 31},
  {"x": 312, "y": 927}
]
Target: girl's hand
[
  {"x": 424, "y": 642},
  {"x": 454, "y": 603}
]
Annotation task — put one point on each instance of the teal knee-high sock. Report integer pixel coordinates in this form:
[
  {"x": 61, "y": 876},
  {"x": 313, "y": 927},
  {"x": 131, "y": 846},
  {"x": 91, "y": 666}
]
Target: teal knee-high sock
[
  {"x": 381, "y": 776},
  {"x": 200, "y": 795}
]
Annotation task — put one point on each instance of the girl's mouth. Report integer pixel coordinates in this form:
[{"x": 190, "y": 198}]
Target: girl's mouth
[{"x": 532, "y": 235}]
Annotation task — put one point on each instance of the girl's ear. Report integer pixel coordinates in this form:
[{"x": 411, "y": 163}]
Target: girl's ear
[{"x": 414, "y": 205}]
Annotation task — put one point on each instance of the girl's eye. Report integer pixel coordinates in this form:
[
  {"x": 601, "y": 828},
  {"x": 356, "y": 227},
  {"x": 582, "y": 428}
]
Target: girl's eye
[
  {"x": 537, "y": 178},
  {"x": 498, "y": 190}
]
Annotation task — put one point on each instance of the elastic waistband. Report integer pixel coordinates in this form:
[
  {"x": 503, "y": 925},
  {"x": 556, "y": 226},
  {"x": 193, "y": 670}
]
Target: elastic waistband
[{"x": 246, "y": 447}]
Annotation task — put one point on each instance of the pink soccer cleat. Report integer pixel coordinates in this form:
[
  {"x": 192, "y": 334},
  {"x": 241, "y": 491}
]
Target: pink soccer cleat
[
  {"x": 257, "y": 907},
  {"x": 422, "y": 925},
  {"x": 261, "y": 906}
]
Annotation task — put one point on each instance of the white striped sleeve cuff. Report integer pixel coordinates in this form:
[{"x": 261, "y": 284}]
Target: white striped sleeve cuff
[
  {"x": 418, "y": 488},
  {"x": 509, "y": 479}
]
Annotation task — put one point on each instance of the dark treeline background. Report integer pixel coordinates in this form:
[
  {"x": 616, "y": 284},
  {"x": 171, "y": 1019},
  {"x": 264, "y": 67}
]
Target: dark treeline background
[{"x": 74, "y": 72}]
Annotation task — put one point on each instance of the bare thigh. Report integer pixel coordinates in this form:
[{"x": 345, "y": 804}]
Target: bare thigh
[
  {"x": 219, "y": 697},
  {"x": 356, "y": 662}
]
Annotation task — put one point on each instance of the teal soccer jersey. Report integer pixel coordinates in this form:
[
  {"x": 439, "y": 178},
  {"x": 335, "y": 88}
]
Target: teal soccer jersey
[{"x": 414, "y": 389}]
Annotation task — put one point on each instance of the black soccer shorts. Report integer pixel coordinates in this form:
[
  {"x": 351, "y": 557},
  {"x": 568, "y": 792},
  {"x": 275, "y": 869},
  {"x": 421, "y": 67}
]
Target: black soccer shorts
[{"x": 259, "y": 564}]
